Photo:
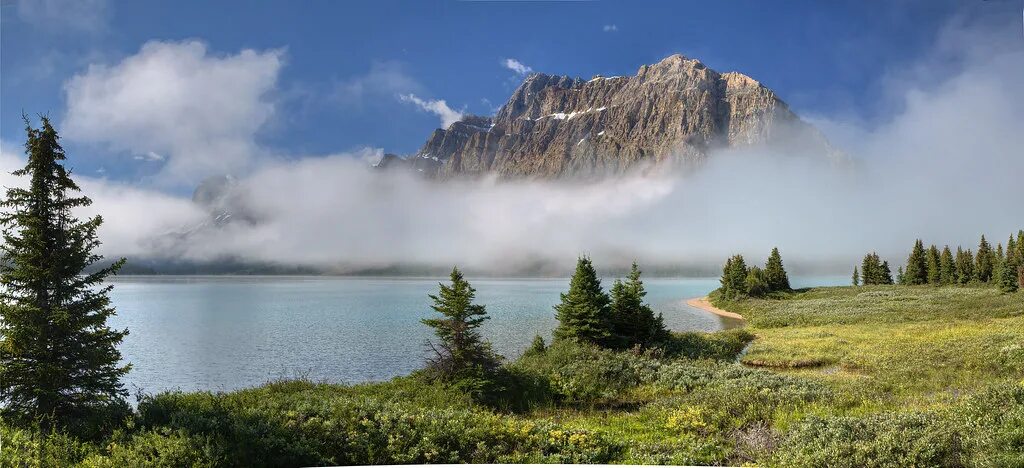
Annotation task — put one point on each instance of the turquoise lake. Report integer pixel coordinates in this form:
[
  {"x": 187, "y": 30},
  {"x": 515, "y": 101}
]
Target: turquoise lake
[{"x": 224, "y": 333}]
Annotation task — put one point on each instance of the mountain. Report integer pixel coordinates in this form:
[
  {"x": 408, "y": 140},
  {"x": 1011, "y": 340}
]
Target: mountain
[{"x": 671, "y": 113}]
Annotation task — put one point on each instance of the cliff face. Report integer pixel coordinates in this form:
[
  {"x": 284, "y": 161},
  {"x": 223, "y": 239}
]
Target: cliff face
[{"x": 672, "y": 112}]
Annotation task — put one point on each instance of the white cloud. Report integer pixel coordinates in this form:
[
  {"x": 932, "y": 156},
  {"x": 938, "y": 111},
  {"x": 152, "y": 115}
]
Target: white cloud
[
  {"x": 150, "y": 156},
  {"x": 64, "y": 15},
  {"x": 384, "y": 79},
  {"x": 176, "y": 99},
  {"x": 610, "y": 28},
  {"x": 516, "y": 66},
  {"x": 436, "y": 106}
]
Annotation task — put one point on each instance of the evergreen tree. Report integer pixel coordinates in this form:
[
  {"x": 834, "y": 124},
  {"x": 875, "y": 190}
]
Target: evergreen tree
[
  {"x": 983, "y": 266},
  {"x": 734, "y": 277},
  {"x": 947, "y": 267},
  {"x": 774, "y": 273},
  {"x": 1008, "y": 276},
  {"x": 885, "y": 274},
  {"x": 59, "y": 362},
  {"x": 964, "y": 265},
  {"x": 868, "y": 269},
  {"x": 584, "y": 314},
  {"x": 633, "y": 320},
  {"x": 756, "y": 282},
  {"x": 899, "y": 276},
  {"x": 460, "y": 351},
  {"x": 874, "y": 271},
  {"x": 934, "y": 274},
  {"x": 917, "y": 265},
  {"x": 1011, "y": 250},
  {"x": 537, "y": 346},
  {"x": 856, "y": 277}
]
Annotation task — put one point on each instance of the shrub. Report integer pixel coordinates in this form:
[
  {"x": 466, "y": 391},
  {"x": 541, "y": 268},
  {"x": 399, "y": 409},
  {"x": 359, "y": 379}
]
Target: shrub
[
  {"x": 883, "y": 439},
  {"x": 582, "y": 373}
]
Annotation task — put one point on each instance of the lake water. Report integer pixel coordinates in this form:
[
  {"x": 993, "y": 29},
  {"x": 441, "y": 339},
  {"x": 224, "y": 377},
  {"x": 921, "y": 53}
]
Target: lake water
[{"x": 225, "y": 333}]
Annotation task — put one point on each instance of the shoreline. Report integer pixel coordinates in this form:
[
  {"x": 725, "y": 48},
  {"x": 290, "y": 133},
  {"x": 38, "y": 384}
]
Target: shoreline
[{"x": 702, "y": 303}]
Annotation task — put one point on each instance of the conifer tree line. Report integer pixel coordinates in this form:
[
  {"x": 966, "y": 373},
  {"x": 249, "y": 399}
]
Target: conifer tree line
[
  {"x": 740, "y": 281},
  {"x": 60, "y": 368},
  {"x": 999, "y": 266},
  {"x": 586, "y": 313}
]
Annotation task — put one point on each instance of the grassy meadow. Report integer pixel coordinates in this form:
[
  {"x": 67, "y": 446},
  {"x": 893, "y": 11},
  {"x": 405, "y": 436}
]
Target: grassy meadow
[{"x": 842, "y": 376}]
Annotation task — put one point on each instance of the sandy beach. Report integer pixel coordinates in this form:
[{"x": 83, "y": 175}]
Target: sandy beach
[{"x": 703, "y": 304}]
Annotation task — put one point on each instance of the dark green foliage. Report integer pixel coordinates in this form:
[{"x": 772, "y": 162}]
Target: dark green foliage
[
  {"x": 856, "y": 277},
  {"x": 634, "y": 323},
  {"x": 874, "y": 271},
  {"x": 934, "y": 272},
  {"x": 774, "y": 273},
  {"x": 721, "y": 346},
  {"x": 1008, "y": 281},
  {"x": 734, "y": 277},
  {"x": 59, "y": 365},
  {"x": 460, "y": 353},
  {"x": 537, "y": 345},
  {"x": 947, "y": 267},
  {"x": 964, "y": 265},
  {"x": 885, "y": 274},
  {"x": 916, "y": 271},
  {"x": 984, "y": 265},
  {"x": 584, "y": 312},
  {"x": 756, "y": 282}
]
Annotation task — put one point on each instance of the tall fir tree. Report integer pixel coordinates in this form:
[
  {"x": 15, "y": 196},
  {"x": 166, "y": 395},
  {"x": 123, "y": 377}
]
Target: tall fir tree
[
  {"x": 734, "y": 277},
  {"x": 634, "y": 323},
  {"x": 856, "y": 277},
  {"x": 916, "y": 271},
  {"x": 1011, "y": 248},
  {"x": 934, "y": 273},
  {"x": 1008, "y": 276},
  {"x": 59, "y": 362},
  {"x": 947, "y": 267},
  {"x": 874, "y": 271},
  {"x": 964, "y": 265},
  {"x": 983, "y": 266},
  {"x": 584, "y": 313},
  {"x": 885, "y": 274},
  {"x": 460, "y": 351},
  {"x": 775, "y": 273}
]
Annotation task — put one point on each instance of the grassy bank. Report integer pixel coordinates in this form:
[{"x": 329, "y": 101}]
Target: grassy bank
[{"x": 869, "y": 376}]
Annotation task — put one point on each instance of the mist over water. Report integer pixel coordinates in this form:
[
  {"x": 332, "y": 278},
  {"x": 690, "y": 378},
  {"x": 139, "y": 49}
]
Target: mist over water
[{"x": 945, "y": 164}]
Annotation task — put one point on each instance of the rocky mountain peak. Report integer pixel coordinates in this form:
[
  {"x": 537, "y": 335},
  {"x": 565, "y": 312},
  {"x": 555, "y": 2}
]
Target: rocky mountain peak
[{"x": 671, "y": 112}]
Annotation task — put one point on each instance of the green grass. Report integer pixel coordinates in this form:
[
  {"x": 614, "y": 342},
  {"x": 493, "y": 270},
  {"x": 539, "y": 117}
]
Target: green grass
[{"x": 869, "y": 376}]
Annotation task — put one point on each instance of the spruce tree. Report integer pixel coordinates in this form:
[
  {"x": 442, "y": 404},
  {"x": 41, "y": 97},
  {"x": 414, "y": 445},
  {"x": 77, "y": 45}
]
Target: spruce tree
[
  {"x": 59, "y": 362},
  {"x": 885, "y": 274},
  {"x": 1008, "y": 276},
  {"x": 964, "y": 265},
  {"x": 947, "y": 267},
  {"x": 633, "y": 321},
  {"x": 983, "y": 266},
  {"x": 916, "y": 271},
  {"x": 460, "y": 351},
  {"x": 737, "y": 275},
  {"x": 934, "y": 274},
  {"x": 584, "y": 314},
  {"x": 899, "y": 276},
  {"x": 856, "y": 277},
  {"x": 775, "y": 273}
]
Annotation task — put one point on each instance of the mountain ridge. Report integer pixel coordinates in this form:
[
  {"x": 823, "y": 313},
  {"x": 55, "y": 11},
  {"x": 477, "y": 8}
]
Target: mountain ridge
[{"x": 672, "y": 113}]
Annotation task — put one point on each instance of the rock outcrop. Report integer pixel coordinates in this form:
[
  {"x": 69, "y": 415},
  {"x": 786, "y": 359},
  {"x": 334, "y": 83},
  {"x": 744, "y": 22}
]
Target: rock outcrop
[{"x": 673, "y": 112}]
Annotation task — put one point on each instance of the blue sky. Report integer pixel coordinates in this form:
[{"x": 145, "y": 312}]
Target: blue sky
[{"x": 337, "y": 70}]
